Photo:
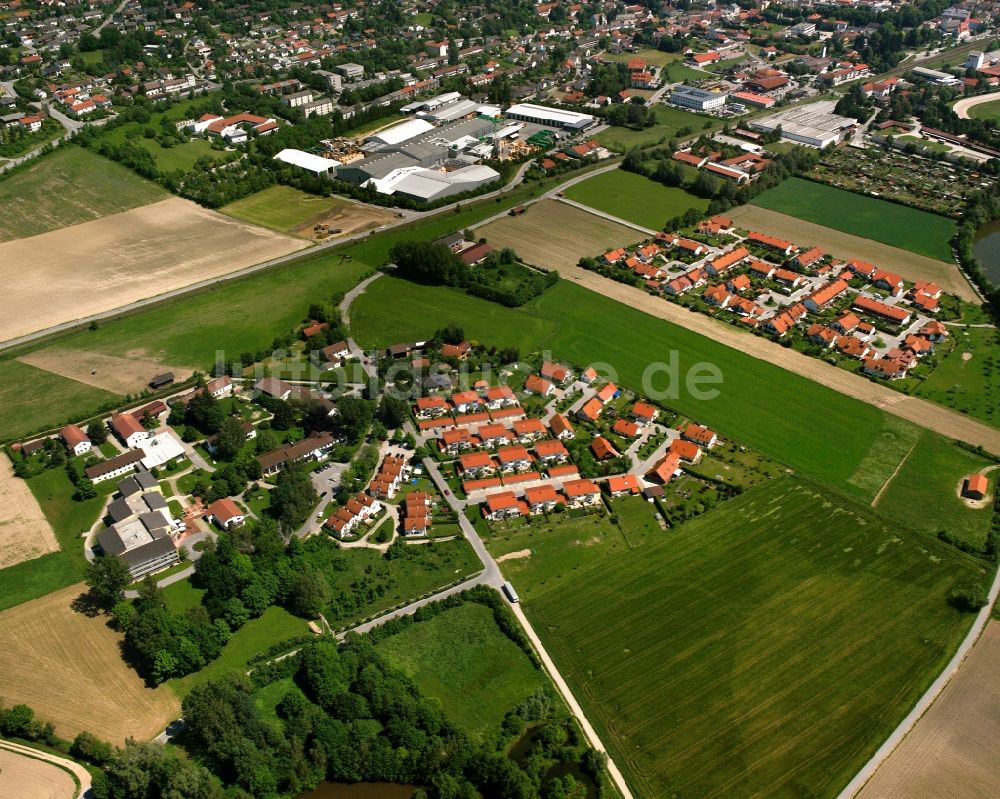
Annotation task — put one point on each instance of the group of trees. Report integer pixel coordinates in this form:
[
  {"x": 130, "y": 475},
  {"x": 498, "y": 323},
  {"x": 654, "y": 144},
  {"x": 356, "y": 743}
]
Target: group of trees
[{"x": 436, "y": 264}]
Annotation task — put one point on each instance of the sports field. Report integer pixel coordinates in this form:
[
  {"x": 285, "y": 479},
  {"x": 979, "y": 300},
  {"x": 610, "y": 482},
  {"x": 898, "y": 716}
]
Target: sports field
[
  {"x": 670, "y": 122},
  {"x": 68, "y": 667},
  {"x": 107, "y": 263},
  {"x": 462, "y": 659},
  {"x": 954, "y": 743},
  {"x": 27, "y": 776},
  {"x": 635, "y": 198},
  {"x": 986, "y": 111},
  {"x": 847, "y": 245},
  {"x": 768, "y": 645},
  {"x": 868, "y": 217},
  {"x": 968, "y": 378},
  {"x": 584, "y": 327},
  {"x": 70, "y": 186},
  {"x": 553, "y": 234},
  {"x": 289, "y": 210}
]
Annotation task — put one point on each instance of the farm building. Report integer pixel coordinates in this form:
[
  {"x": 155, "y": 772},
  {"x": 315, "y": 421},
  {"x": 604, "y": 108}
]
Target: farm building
[{"x": 975, "y": 486}]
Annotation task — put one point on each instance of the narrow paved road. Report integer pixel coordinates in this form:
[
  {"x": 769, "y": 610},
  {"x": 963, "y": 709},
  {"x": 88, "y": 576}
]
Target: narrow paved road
[
  {"x": 81, "y": 774},
  {"x": 927, "y": 699}
]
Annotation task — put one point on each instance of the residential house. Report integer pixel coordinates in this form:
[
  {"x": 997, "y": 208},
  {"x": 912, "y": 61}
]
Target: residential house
[
  {"x": 551, "y": 451},
  {"x": 273, "y": 387},
  {"x": 75, "y": 439},
  {"x": 542, "y": 499},
  {"x": 476, "y": 464},
  {"x": 603, "y": 449},
  {"x": 466, "y": 401},
  {"x": 225, "y": 513},
  {"x": 528, "y": 430},
  {"x": 786, "y": 248},
  {"x": 538, "y": 385},
  {"x": 128, "y": 429},
  {"x": 625, "y": 428},
  {"x": 431, "y": 407},
  {"x": 700, "y": 435},
  {"x": 822, "y": 297},
  {"x": 561, "y": 427},
  {"x": 556, "y": 372},
  {"x": 501, "y": 506},
  {"x": 581, "y": 493},
  {"x": 644, "y": 413},
  {"x": 666, "y": 468},
  {"x": 893, "y": 314},
  {"x": 622, "y": 485},
  {"x": 514, "y": 459},
  {"x": 591, "y": 410},
  {"x": 686, "y": 451}
]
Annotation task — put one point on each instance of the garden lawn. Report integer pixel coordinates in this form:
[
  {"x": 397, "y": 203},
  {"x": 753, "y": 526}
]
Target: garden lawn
[
  {"x": 968, "y": 384},
  {"x": 869, "y": 217},
  {"x": 761, "y": 405},
  {"x": 461, "y": 659},
  {"x": 50, "y": 402},
  {"x": 280, "y": 208},
  {"x": 765, "y": 648},
  {"x": 634, "y": 198},
  {"x": 70, "y": 186},
  {"x": 275, "y": 625},
  {"x": 924, "y": 493}
]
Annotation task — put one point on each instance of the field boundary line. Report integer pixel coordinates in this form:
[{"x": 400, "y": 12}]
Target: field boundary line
[
  {"x": 601, "y": 214},
  {"x": 895, "y": 471},
  {"x": 923, "y": 704}
]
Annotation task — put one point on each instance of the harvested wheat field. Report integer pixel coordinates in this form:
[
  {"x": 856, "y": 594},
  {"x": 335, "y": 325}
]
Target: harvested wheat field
[
  {"x": 127, "y": 375},
  {"x": 554, "y": 235},
  {"x": 23, "y": 777},
  {"x": 346, "y": 219},
  {"x": 24, "y": 532},
  {"x": 952, "y": 749},
  {"x": 96, "y": 266},
  {"x": 843, "y": 245},
  {"x": 67, "y": 666}
]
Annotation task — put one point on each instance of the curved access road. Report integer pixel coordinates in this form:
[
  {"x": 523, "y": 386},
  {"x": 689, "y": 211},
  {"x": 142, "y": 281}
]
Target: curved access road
[
  {"x": 945, "y": 421},
  {"x": 932, "y": 693},
  {"x": 961, "y": 108},
  {"x": 74, "y": 768}
]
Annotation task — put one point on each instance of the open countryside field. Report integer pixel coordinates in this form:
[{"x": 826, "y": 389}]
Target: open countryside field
[
  {"x": 553, "y": 234},
  {"x": 868, "y": 217},
  {"x": 634, "y": 198},
  {"x": 846, "y": 245},
  {"x": 924, "y": 493},
  {"x": 24, "y": 776},
  {"x": 767, "y": 646},
  {"x": 68, "y": 667},
  {"x": 289, "y": 210},
  {"x": 108, "y": 263},
  {"x": 670, "y": 122},
  {"x": 462, "y": 659},
  {"x": 969, "y": 376},
  {"x": 71, "y": 186},
  {"x": 24, "y": 532},
  {"x": 954, "y": 743},
  {"x": 127, "y": 375}
]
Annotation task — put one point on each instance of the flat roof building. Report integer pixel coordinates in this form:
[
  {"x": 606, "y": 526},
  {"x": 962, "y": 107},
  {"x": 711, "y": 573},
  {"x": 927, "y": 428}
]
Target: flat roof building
[
  {"x": 551, "y": 117},
  {"x": 698, "y": 99},
  {"x": 815, "y": 125}
]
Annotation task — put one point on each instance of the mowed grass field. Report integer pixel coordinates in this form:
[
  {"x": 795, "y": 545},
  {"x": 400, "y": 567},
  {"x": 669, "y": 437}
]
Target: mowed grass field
[
  {"x": 281, "y": 208},
  {"x": 867, "y": 217},
  {"x": 70, "y": 186},
  {"x": 551, "y": 234},
  {"x": 461, "y": 659},
  {"x": 68, "y": 667},
  {"x": 634, "y": 198},
  {"x": 790, "y": 418},
  {"x": 968, "y": 378},
  {"x": 670, "y": 122},
  {"x": 986, "y": 111},
  {"x": 765, "y": 648}
]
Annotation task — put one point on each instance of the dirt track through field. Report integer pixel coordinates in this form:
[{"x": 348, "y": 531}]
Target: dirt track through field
[
  {"x": 843, "y": 246},
  {"x": 24, "y": 532},
  {"x": 556, "y": 235},
  {"x": 926, "y": 414},
  {"x": 348, "y": 219},
  {"x": 128, "y": 375},
  {"x": 952, "y": 750},
  {"x": 107, "y": 263},
  {"x": 23, "y": 777},
  {"x": 68, "y": 667}
]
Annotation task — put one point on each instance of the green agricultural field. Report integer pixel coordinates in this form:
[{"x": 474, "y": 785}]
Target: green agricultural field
[
  {"x": 670, "y": 122},
  {"x": 21, "y": 412},
  {"x": 907, "y": 228},
  {"x": 968, "y": 378},
  {"x": 35, "y": 578},
  {"x": 462, "y": 659},
  {"x": 70, "y": 186},
  {"x": 764, "y": 648},
  {"x": 634, "y": 198},
  {"x": 924, "y": 493},
  {"x": 281, "y": 208},
  {"x": 584, "y": 327},
  {"x": 986, "y": 111}
]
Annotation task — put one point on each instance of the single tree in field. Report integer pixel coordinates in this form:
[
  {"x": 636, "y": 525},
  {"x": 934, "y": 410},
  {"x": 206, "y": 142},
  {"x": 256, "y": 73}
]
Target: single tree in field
[{"x": 107, "y": 578}]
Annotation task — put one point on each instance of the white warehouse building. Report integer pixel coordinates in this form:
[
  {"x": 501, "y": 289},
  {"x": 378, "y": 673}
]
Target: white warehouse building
[
  {"x": 698, "y": 99},
  {"x": 550, "y": 117}
]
